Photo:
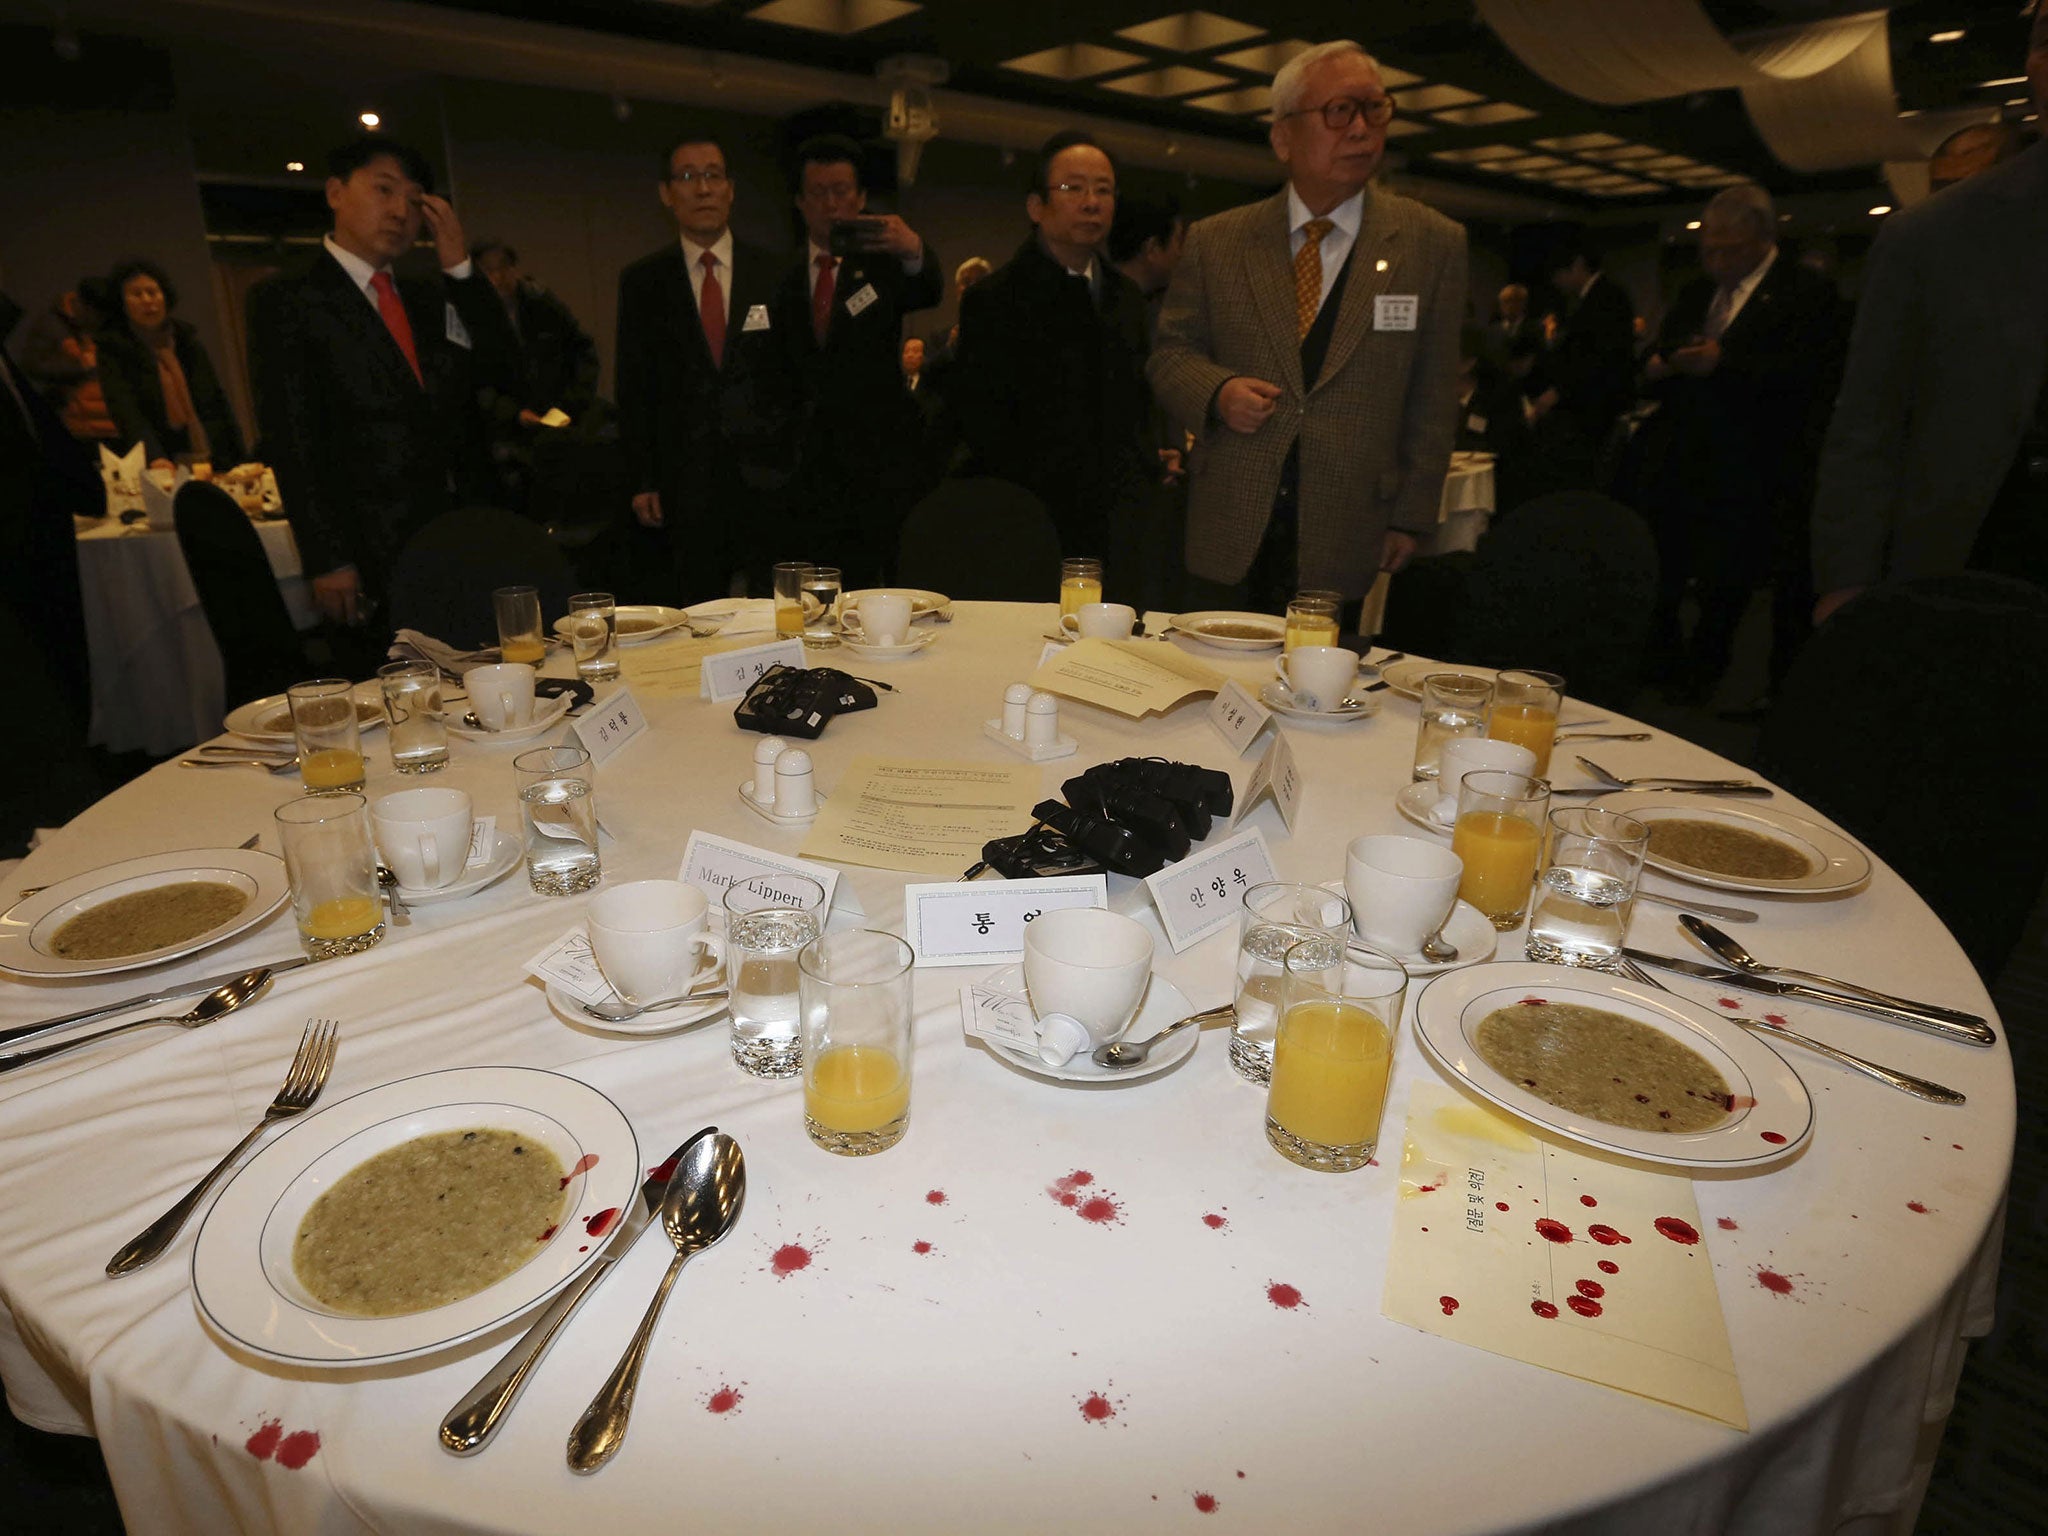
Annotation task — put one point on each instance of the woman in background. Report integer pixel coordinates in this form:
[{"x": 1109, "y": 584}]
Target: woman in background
[{"x": 160, "y": 385}]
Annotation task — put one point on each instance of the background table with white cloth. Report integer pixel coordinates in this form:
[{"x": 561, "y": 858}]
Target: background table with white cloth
[
  {"x": 157, "y": 685},
  {"x": 926, "y": 1370}
]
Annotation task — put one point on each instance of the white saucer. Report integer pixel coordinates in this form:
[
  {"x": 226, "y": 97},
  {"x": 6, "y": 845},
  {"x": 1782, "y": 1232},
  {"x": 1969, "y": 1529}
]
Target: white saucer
[
  {"x": 910, "y": 647},
  {"x": 660, "y": 1021},
  {"x": 1469, "y": 930},
  {"x": 1164, "y": 1002},
  {"x": 505, "y": 852},
  {"x": 1414, "y": 802},
  {"x": 1276, "y": 699},
  {"x": 547, "y": 714}
]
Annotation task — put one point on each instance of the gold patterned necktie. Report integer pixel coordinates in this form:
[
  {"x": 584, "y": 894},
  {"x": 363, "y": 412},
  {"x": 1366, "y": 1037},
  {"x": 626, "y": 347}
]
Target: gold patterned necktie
[{"x": 1308, "y": 275}]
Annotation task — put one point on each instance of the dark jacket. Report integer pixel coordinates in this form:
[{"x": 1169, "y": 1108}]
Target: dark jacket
[
  {"x": 558, "y": 364},
  {"x": 364, "y": 454},
  {"x": 135, "y": 394},
  {"x": 1049, "y": 390},
  {"x": 1592, "y": 365}
]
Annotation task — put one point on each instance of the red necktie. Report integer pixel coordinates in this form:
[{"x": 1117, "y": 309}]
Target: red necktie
[
  {"x": 821, "y": 299},
  {"x": 397, "y": 322},
  {"x": 711, "y": 309}
]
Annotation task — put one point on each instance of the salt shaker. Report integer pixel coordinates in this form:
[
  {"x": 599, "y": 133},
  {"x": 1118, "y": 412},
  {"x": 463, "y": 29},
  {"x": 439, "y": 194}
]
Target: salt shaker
[
  {"x": 1041, "y": 720},
  {"x": 795, "y": 791},
  {"x": 766, "y": 750},
  {"x": 1015, "y": 697}
]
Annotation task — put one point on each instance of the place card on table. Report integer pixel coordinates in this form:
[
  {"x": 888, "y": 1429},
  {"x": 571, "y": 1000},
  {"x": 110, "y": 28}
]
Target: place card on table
[
  {"x": 982, "y": 923},
  {"x": 571, "y": 964},
  {"x": 1277, "y": 776},
  {"x": 712, "y": 864},
  {"x": 729, "y": 674},
  {"x": 612, "y": 721},
  {"x": 1543, "y": 1253},
  {"x": 989, "y": 1014},
  {"x": 1202, "y": 894},
  {"x": 1238, "y": 717}
]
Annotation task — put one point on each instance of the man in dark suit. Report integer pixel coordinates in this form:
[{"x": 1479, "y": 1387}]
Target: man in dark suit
[
  {"x": 1588, "y": 375},
  {"x": 366, "y": 383},
  {"x": 1743, "y": 370},
  {"x": 704, "y": 384},
  {"x": 1049, "y": 389},
  {"x": 558, "y": 361},
  {"x": 840, "y": 314}
]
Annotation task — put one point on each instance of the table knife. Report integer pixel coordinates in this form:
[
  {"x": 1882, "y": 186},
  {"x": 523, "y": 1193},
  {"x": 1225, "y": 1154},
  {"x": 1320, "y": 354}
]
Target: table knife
[
  {"x": 471, "y": 1422},
  {"x": 184, "y": 989},
  {"x": 1978, "y": 1033}
]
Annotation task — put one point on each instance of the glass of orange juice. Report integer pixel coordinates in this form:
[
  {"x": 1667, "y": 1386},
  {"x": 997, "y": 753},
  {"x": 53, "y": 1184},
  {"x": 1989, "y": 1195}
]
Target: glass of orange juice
[
  {"x": 1524, "y": 711},
  {"x": 1080, "y": 583},
  {"x": 519, "y": 636},
  {"x": 1340, "y": 1008},
  {"x": 1499, "y": 835},
  {"x": 1312, "y": 619},
  {"x": 854, "y": 1021},
  {"x": 790, "y": 576},
  {"x": 332, "y": 864},
  {"x": 330, "y": 738}
]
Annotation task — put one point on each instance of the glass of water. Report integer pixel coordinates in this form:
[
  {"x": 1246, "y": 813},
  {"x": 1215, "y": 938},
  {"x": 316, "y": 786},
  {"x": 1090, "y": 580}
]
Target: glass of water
[
  {"x": 1277, "y": 916},
  {"x": 768, "y": 921},
  {"x": 1453, "y": 705},
  {"x": 558, "y": 812},
  {"x": 594, "y": 635},
  {"x": 1588, "y": 887},
  {"x": 412, "y": 706},
  {"x": 821, "y": 587}
]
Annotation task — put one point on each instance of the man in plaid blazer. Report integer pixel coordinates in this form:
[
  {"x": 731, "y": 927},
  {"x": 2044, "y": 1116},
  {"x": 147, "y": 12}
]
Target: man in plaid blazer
[{"x": 1315, "y": 337}]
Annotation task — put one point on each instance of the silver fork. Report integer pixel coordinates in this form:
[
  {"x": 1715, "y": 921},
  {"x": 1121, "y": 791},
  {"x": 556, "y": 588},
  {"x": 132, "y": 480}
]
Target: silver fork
[{"x": 302, "y": 1085}]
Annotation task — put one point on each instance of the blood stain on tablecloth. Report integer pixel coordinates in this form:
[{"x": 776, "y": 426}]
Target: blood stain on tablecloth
[
  {"x": 1726, "y": 1223},
  {"x": 1585, "y": 1306},
  {"x": 1775, "y": 1138},
  {"x": 935, "y": 1197},
  {"x": 1207, "y": 1503},
  {"x": 1588, "y": 1200},
  {"x": 788, "y": 1258},
  {"x": 1592, "y": 1290},
  {"x": 1448, "y": 1303},
  {"x": 1772, "y": 1281},
  {"x": 726, "y": 1399},
  {"x": 1606, "y": 1235},
  {"x": 1727, "y": 1002},
  {"x": 290, "y": 1451},
  {"x": 1215, "y": 1222},
  {"x": 1500, "y": 1205},
  {"x": 920, "y": 1246},
  {"x": 1608, "y": 1267},
  {"x": 1283, "y": 1295},
  {"x": 1100, "y": 1207},
  {"x": 1776, "y": 1018},
  {"x": 1098, "y": 1407},
  {"x": 1543, "y": 1308},
  {"x": 584, "y": 1164},
  {"x": 602, "y": 1222},
  {"x": 1916, "y": 1207},
  {"x": 1678, "y": 1231},
  {"x": 1552, "y": 1231}
]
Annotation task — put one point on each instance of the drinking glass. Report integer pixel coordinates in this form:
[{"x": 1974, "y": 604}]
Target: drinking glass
[
  {"x": 768, "y": 921},
  {"x": 821, "y": 590},
  {"x": 332, "y": 864},
  {"x": 1453, "y": 705},
  {"x": 412, "y": 706},
  {"x": 594, "y": 635},
  {"x": 519, "y": 636},
  {"x": 1499, "y": 835},
  {"x": 1080, "y": 582},
  {"x": 1277, "y": 916},
  {"x": 789, "y": 596},
  {"x": 1312, "y": 619},
  {"x": 330, "y": 740},
  {"x": 1340, "y": 1009},
  {"x": 558, "y": 812},
  {"x": 1524, "y": 711},
  {"x": 1588, "y": 887},
  {"x": 853, "y": 992}
]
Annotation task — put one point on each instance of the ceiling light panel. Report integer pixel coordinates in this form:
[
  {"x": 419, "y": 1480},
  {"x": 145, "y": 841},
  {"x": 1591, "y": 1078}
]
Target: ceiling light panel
[
  {"x": 1576, "y": 142},
  {"x": 1190, "y": 32},
  {"x": 1626, "y": 186},
  {"x": 1162, "y": 84},
  {"x": 1253, "y": 98},
  {"x": 1076, "y": 61},
  {"x": 1480, "y": 154},
  {"x": 841, "y": 18},
  {"x": 1668, "y": 163},
  {"x": 1434, "y": 98},
  {"x": 1484, "y": 116},
  {"x": 1526, "y": 163},
  {"x": 1403, "y": 128}
]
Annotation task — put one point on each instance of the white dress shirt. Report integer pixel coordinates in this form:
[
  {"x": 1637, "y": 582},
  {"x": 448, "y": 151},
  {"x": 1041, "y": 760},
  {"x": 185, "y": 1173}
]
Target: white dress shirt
[
  {"x": 1737, "y": 297},
  {"x": 360, "y": 271},
  {"x": 1337, "y": 241},
  {"x": 721, "y": 255}
]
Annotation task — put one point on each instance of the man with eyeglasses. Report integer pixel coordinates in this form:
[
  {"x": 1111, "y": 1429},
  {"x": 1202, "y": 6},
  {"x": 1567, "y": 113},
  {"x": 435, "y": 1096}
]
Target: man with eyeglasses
[
  {"x": 1315, "y": 337},
  {"x": 706, "y": 397},
  {"x": 1049, "y": 387}
]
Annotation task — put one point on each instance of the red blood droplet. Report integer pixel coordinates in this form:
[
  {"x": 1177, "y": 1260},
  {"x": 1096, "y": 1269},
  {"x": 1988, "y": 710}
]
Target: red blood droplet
[
  {"x": 1283, "y": 1296},
  {"x": 1240, "y": 1474},
  {"x": 1678, "y": 1231},
  {"x": 664, "y": 1171},
  {"x": 584, "y": 1164},
  {"x": 1543, "y": 1309},
  {"x": 1214, "y": 1222},
  {"x": 1727, "y": 1002},
  {"x": 1373, "y": 1162},
  {"x": 920, "y": 1246},
  {"x": 602, "y": 1222},
  {"x": 1583, "y": 1306},
  {"x": 1429, "y": 1189},
  {"x": 263, "y": 1444},
  {"x": 583, "y": 1248},
  {"x": 724, "y": 1400},
  {"x": 1081, "y": 1178},
  {"x": 1776, "y": 1018},
  {"x": 1206, "y": 1503},
  {"x": 1532, "y": 1002},
  {"x": 1957, "y": 1145},
  {"x": 298, "y": 1448},
  {"x": 1448, "y": 1303},
  {"x": 1552, "y": 1231},
  {"x": 1601, "y": 1233},
  {"x": 1068, "y": 1198},
  {"x": 1608, "y": 1267},
  {"x": 1726, "y": 1223},
  {"x": 788, "y": 1259},
  {"x": 935, "y": 1197},
  {"x": 1772, "y": 1137},
  {"x": 1500, "y": 1205},
  {"x": 1097, "y": 1409},
  {"x": 545, "y": 1235},
  {"x": 1771, "y": 1280},
  {"x": 1916, "y": 1207},
  {"x": 1592, "y": 1288},
  {"x": 1587, "y": 1200},
  {"x": 1099, "y": 1209}
]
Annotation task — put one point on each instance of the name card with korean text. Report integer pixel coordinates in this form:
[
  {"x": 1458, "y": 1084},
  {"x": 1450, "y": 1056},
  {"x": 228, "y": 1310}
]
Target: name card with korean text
[
  {"x": 729, "y": 674},
  {"x": 1204, "y": 892},
  {"x": 612, "y": 721},
  {"x": 982, "y": 922},
  {"x": 1237, "y": 716},
  {"x": 1277, "y": 776}
]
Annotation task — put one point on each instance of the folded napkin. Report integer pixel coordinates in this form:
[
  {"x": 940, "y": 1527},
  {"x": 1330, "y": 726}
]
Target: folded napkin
[
  {"x": 122, "y": 475},
  {"x": 411, "y": 645},
  {"x": 159, "y": 493}
]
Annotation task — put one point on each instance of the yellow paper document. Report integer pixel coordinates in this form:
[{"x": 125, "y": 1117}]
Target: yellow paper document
[
  {"x": 926, "y": 817},
  {"x": 1543, "y": 1253},
  {"x": 669, "y": 668},
  {"x": 1132, "y": 677}
]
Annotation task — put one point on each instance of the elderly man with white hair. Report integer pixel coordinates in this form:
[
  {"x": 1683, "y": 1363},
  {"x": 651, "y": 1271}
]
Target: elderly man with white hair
[
  {"x": 1313, "y": 338},
  {"x": 1744, "y": 367}
]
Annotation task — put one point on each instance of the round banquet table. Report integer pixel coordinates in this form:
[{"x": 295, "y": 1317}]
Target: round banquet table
[{"x": 883, "y": 1386}]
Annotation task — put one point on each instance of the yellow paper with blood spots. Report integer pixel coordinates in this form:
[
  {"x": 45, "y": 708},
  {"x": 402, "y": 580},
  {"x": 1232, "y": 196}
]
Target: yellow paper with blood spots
[{"x": 1533, "y": 1249}]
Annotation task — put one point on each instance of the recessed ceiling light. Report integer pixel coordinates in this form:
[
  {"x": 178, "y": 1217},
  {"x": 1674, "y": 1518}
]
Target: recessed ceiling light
[
  {"x": 1579, "y": 141},
  {"x": 295, "y": 165},
  {"x": 368, "y": 119},
  {"x": 1986, "y": 85},
  {"x": 1955, "y": 36},
  {"x": 1432, "y": 98},
  {"x": 1880, "y": 210},
  {"x": 1525, "y": 163},
  {"x": 1175, "y": 80},
  {"x": 1405, "y": 127},
  {"x": 1480, "y": 153},
  {"x": 1692, "y": 223},
  {"x": 1620, "y": 186},
  {"x": 1076, "y": 61},
  {"x": 1190, "y": 32},
  {"x": 1484, "y": 116},
  {"x": 841, "y": 18},
  {"x": 1251, "y": 98}
]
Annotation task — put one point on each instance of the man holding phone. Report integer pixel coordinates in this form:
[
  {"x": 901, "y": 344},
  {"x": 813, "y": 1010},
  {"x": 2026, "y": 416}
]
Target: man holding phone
[{"x": 841, "y": 316}]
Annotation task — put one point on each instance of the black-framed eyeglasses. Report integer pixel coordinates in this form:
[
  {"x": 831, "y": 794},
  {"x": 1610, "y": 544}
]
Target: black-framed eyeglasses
[
  {"x": 711, "y": 176},
  {"x": 1340, "y": 112}
]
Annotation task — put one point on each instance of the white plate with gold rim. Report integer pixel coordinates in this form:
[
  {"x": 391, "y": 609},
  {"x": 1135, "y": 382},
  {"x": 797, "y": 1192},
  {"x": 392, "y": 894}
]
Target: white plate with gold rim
[
  {"x": 1834, "y": 861},
  {"x": 270, "y": 719},
  {"x": 27, "y": 928},
  {"x": 1229, "y": 630},
  {"x": 923, "y": 604},
  {"x": 1405, "y": 676}
]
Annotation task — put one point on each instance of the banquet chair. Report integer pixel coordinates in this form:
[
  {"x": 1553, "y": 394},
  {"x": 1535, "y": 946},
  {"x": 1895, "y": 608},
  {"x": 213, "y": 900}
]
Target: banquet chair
[
  {"x": 1911, "y": 719},
  {"x": 983, "y": 540},
  {"x": 260, "y": 652},
  {"x": 442, "y": 581}
]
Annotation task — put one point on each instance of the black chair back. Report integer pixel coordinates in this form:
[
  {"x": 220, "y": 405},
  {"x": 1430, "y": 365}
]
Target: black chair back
[
  {"x": 1909, "y": 719},
  {"x": 442, "y": 581},
  {"x": 982, "y": 540},
  {"x": 260, "y": 652}
]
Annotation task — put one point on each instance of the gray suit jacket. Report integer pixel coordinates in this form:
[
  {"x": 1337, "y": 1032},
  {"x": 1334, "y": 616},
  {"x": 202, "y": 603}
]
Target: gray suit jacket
[
  {"x": 1945, "y": 363},
  {"x": 1375, "y": 431}
]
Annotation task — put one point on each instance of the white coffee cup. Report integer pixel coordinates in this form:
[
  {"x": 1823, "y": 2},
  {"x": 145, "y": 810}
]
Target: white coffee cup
[
  {"x": 879, "y": 618},
  {"x": 1401, "y": 889},
  {"x": 423, "y": 834},
  {"x": 1101, "y": 621},
  {"x": 1089, "y": 964},
  {"x": 650, "y": 941},
  {"x": 1318, "y": 676},
  {"x": 1474, "y": 754},
  {"x": 501, "y": 694}
]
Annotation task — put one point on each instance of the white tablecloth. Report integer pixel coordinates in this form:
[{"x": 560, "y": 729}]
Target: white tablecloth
[
  {"x": 1466, "y": 507},
  {"x": 157, "y": 685},
  {"x": 885, "y": 1388}
]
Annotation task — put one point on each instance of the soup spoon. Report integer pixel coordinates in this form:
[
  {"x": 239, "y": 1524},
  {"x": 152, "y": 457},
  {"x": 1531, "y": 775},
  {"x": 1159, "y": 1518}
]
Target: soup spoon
[
  {"x": 703, "y": 1201},
  {"x": 223, "y": 999},
  {"x": 620, "y": 1012}
]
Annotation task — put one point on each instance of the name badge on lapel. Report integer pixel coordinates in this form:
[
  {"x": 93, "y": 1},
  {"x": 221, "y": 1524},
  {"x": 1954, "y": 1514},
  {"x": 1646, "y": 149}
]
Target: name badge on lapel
[
  {"x": 452, "y": 326},
  {"x": 757, "y": 318},
  {"x": 1395, "y": 311},
  {"x": 861, "y": 298}
]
